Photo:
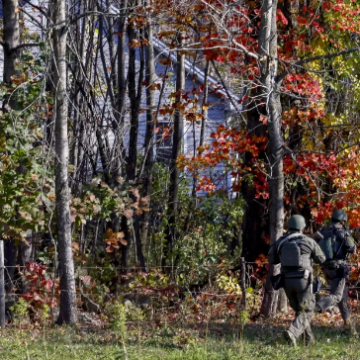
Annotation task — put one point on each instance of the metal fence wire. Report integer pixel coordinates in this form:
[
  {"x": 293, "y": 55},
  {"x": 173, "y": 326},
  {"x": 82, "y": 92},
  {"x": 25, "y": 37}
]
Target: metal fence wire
[{"x": 244, "y": 276}]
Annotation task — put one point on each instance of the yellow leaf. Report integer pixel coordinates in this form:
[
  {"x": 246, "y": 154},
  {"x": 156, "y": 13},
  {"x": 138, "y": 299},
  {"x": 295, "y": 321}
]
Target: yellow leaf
[{"x": 119, "y": 235}]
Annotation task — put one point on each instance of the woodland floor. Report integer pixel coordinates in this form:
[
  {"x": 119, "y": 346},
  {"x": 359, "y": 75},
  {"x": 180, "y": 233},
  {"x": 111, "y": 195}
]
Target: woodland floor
[{"x": 214, "y": 342}]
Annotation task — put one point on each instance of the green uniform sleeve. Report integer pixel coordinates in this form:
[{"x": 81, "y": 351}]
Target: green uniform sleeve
[
  {"x": 273, "y": 255},
  {"x": 317, "y": 254},
  {"x": 356, "y": 235},
  {"x": 350, "y": 244},
  {"x": 316, "y": 236}
]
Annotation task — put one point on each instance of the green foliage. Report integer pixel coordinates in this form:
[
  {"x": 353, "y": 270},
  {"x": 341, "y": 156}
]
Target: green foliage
[
  {"x": 229, "y": 283},
  {"x": 215, "y": 224},
  {"x": 20, "y": 312},
  {"x": 26, "y": 185},
  {"x": 99, "y": 199},
  {"x": 152, "y": 279},
  {"x": 117, "y": 315},
  {"x": 204, "y": 230},
  {"x": 44, "y": 313}
]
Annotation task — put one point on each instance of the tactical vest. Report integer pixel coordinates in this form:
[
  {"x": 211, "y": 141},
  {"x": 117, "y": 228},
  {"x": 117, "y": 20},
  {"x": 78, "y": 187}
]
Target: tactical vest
[
  {"x": 333, "y": 243},
  {"x": 290, "y": 252}
]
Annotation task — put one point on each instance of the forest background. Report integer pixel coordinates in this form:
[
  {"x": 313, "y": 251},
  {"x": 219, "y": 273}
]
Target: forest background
[{"x": 88, "y": 217}]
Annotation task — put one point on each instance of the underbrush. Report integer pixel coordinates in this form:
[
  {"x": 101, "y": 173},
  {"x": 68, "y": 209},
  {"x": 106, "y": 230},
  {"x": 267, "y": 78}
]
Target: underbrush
[{"x": 212, "y": 342}]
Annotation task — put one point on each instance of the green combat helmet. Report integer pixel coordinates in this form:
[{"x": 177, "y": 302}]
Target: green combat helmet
[
  {"x": 296, "y": 222},
  {"x": 339, "y": 215}
]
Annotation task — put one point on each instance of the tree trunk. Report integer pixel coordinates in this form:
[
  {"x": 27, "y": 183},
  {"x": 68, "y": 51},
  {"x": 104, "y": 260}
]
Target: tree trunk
[
  {"x": 135, "y": 101},
  {"x": 135, "y": 90},
  {"x": 11, "y": 40},
  {"x": 112, "y": 47},
  {"x": 121, "y": 82},
  {"x": 282, "y": 302},
  {"x": 201, "y": 143},
  {"x": 176, "y": 151},
  {"x": 203, "y": 121},
  {"x": 271, "y": 97},
  {"x": 10, "y": 255},
  {"x": 117, "y": 152},
  {"x": 24, "y": 255},
  {"x": 149, "y": 136},
  {"x": 67, "y": 276}
]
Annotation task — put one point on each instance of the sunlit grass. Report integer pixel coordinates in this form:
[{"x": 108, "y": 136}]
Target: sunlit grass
[{"x": 259, "y": 342}]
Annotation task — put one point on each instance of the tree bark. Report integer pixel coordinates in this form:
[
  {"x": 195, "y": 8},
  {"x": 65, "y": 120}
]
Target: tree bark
[
  {"x": 149, "y": 136},
  {"x": 135, "y": 101},
  {"x": 135, "y": 92},
  {"x": 112, "y": 47},
  {"x": 11, "y": 39},
  {"x": 121, "y": 82},
  {"x": 203, "y": 121},
  {"x": 201, "y": 143},
  {"x": 176, "y": 151},
  {"x": 282, "y": 302},
  {"x": 205, "y": 104},
  {"x": 67, "y": 276},
  {"x": 10, "y": 255},
  {"x": 271, "y": 97}
]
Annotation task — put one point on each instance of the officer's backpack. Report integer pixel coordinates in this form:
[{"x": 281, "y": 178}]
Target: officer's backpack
[
  {"x": 290, "y": 253},
  {"x": 330, "y": 244}
]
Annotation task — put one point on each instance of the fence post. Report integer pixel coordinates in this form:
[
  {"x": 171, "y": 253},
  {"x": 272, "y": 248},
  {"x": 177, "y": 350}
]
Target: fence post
[
  {"x": 2, "y": 286},
  {"x": 242, "y": 281}
]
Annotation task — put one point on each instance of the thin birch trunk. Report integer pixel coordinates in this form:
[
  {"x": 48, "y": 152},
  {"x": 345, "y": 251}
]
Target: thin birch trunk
[
  {"x": 67, "y": 276},
  {"x": 11, "y": 39}
]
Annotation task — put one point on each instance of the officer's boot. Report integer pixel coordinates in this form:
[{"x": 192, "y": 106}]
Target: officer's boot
[
  {"x": 349, "y": 326},
  {"x": 309, "y": 336}
]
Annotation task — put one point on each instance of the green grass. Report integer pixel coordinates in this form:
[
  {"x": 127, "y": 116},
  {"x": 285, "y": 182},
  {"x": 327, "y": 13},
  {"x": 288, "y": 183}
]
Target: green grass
[{"x": 259, "y": 342}]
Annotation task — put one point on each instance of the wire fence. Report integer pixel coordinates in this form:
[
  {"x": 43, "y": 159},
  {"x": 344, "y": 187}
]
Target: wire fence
[
  {"x": 244, "y": 279},
  {"x": 165, "y": 303},
  {"x": 139, "y": 267}
]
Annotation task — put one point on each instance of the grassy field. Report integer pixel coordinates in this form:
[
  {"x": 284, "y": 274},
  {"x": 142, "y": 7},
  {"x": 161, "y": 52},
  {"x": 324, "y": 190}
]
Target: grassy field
[{"x": 258, "y": 342}]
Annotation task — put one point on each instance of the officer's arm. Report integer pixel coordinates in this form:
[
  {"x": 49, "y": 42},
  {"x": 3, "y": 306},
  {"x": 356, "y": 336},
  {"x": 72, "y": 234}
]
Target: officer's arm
[
  {"x": 350, "y": 246},
  {"x": 316, "y": 236},
  {"x": 317, "y": 254},
  {"x": 273, "y": 255}
]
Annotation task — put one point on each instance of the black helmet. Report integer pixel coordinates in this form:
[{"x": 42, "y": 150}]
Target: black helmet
[
  {"x": 339, "y": 215},
  {"x": 296, "y": 222}
]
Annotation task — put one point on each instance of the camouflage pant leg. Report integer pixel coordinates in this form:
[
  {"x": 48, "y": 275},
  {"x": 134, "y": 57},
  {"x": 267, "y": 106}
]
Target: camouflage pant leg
[
  {"x": 302, "y": 301},
  {"x": 308, "y": 331},
  {"x": 338, "y": 294}
]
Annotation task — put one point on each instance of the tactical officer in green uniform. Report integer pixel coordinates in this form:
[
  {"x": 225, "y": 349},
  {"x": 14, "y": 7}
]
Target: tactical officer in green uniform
[
  {"x": 296, "y": 253},
  {"x": 337, "y": 243}
]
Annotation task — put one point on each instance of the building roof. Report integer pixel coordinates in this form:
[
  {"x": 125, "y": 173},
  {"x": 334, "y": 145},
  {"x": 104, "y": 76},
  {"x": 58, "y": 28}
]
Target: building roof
[{"x": 194, "y": 70}]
